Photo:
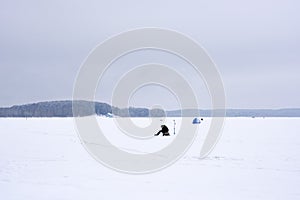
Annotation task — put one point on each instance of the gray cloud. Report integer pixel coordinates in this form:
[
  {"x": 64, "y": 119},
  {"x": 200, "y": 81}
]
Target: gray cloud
[{"x": 255, "y": 44}]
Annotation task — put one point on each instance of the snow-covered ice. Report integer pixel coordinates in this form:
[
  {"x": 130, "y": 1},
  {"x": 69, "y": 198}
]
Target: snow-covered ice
[{"x": 256, "y": 158}]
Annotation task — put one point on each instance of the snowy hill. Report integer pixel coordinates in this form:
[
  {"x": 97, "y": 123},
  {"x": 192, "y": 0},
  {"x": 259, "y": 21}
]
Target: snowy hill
[{"x": 64, "y": 109}]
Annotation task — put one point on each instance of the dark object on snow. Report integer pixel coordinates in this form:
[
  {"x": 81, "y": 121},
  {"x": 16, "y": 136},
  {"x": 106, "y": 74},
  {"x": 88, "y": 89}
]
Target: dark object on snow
[{"x": 164, "y": 130}]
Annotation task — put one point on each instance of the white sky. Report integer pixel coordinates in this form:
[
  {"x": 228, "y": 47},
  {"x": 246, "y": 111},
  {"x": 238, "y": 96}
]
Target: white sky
[{"x": 255, "y": 44}]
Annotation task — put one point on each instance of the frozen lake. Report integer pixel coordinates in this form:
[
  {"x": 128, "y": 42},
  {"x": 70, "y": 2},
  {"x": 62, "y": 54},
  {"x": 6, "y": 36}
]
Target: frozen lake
[{"x": 256, "y": 158}]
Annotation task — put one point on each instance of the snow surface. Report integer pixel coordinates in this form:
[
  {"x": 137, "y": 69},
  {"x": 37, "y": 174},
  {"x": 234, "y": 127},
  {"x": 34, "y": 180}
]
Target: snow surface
[{"x": 256, "y": 158}]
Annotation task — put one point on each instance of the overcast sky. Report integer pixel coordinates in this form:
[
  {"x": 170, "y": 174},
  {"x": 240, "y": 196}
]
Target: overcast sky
[{"x": 255, "y": 44}]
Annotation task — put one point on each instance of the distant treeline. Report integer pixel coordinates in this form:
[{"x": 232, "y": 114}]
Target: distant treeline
[
  {"x": 288, "y": 112},
  {"x": 81, "y": 108},
  {"x": 87, "y": 108}
]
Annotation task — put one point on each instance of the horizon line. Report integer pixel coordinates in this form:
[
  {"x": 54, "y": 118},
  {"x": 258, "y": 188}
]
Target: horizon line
[{"x": 176, "y": 109}]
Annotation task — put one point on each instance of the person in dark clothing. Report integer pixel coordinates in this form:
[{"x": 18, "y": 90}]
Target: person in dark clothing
[{"x": 164, "y": 130}]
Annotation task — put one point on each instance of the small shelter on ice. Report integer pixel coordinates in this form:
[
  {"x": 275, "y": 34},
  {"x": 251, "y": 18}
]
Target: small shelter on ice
[{"x": 196, "y": 121}]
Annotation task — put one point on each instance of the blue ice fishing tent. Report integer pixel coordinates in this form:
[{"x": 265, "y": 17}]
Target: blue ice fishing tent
[{"x": 196, "y": 121}]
